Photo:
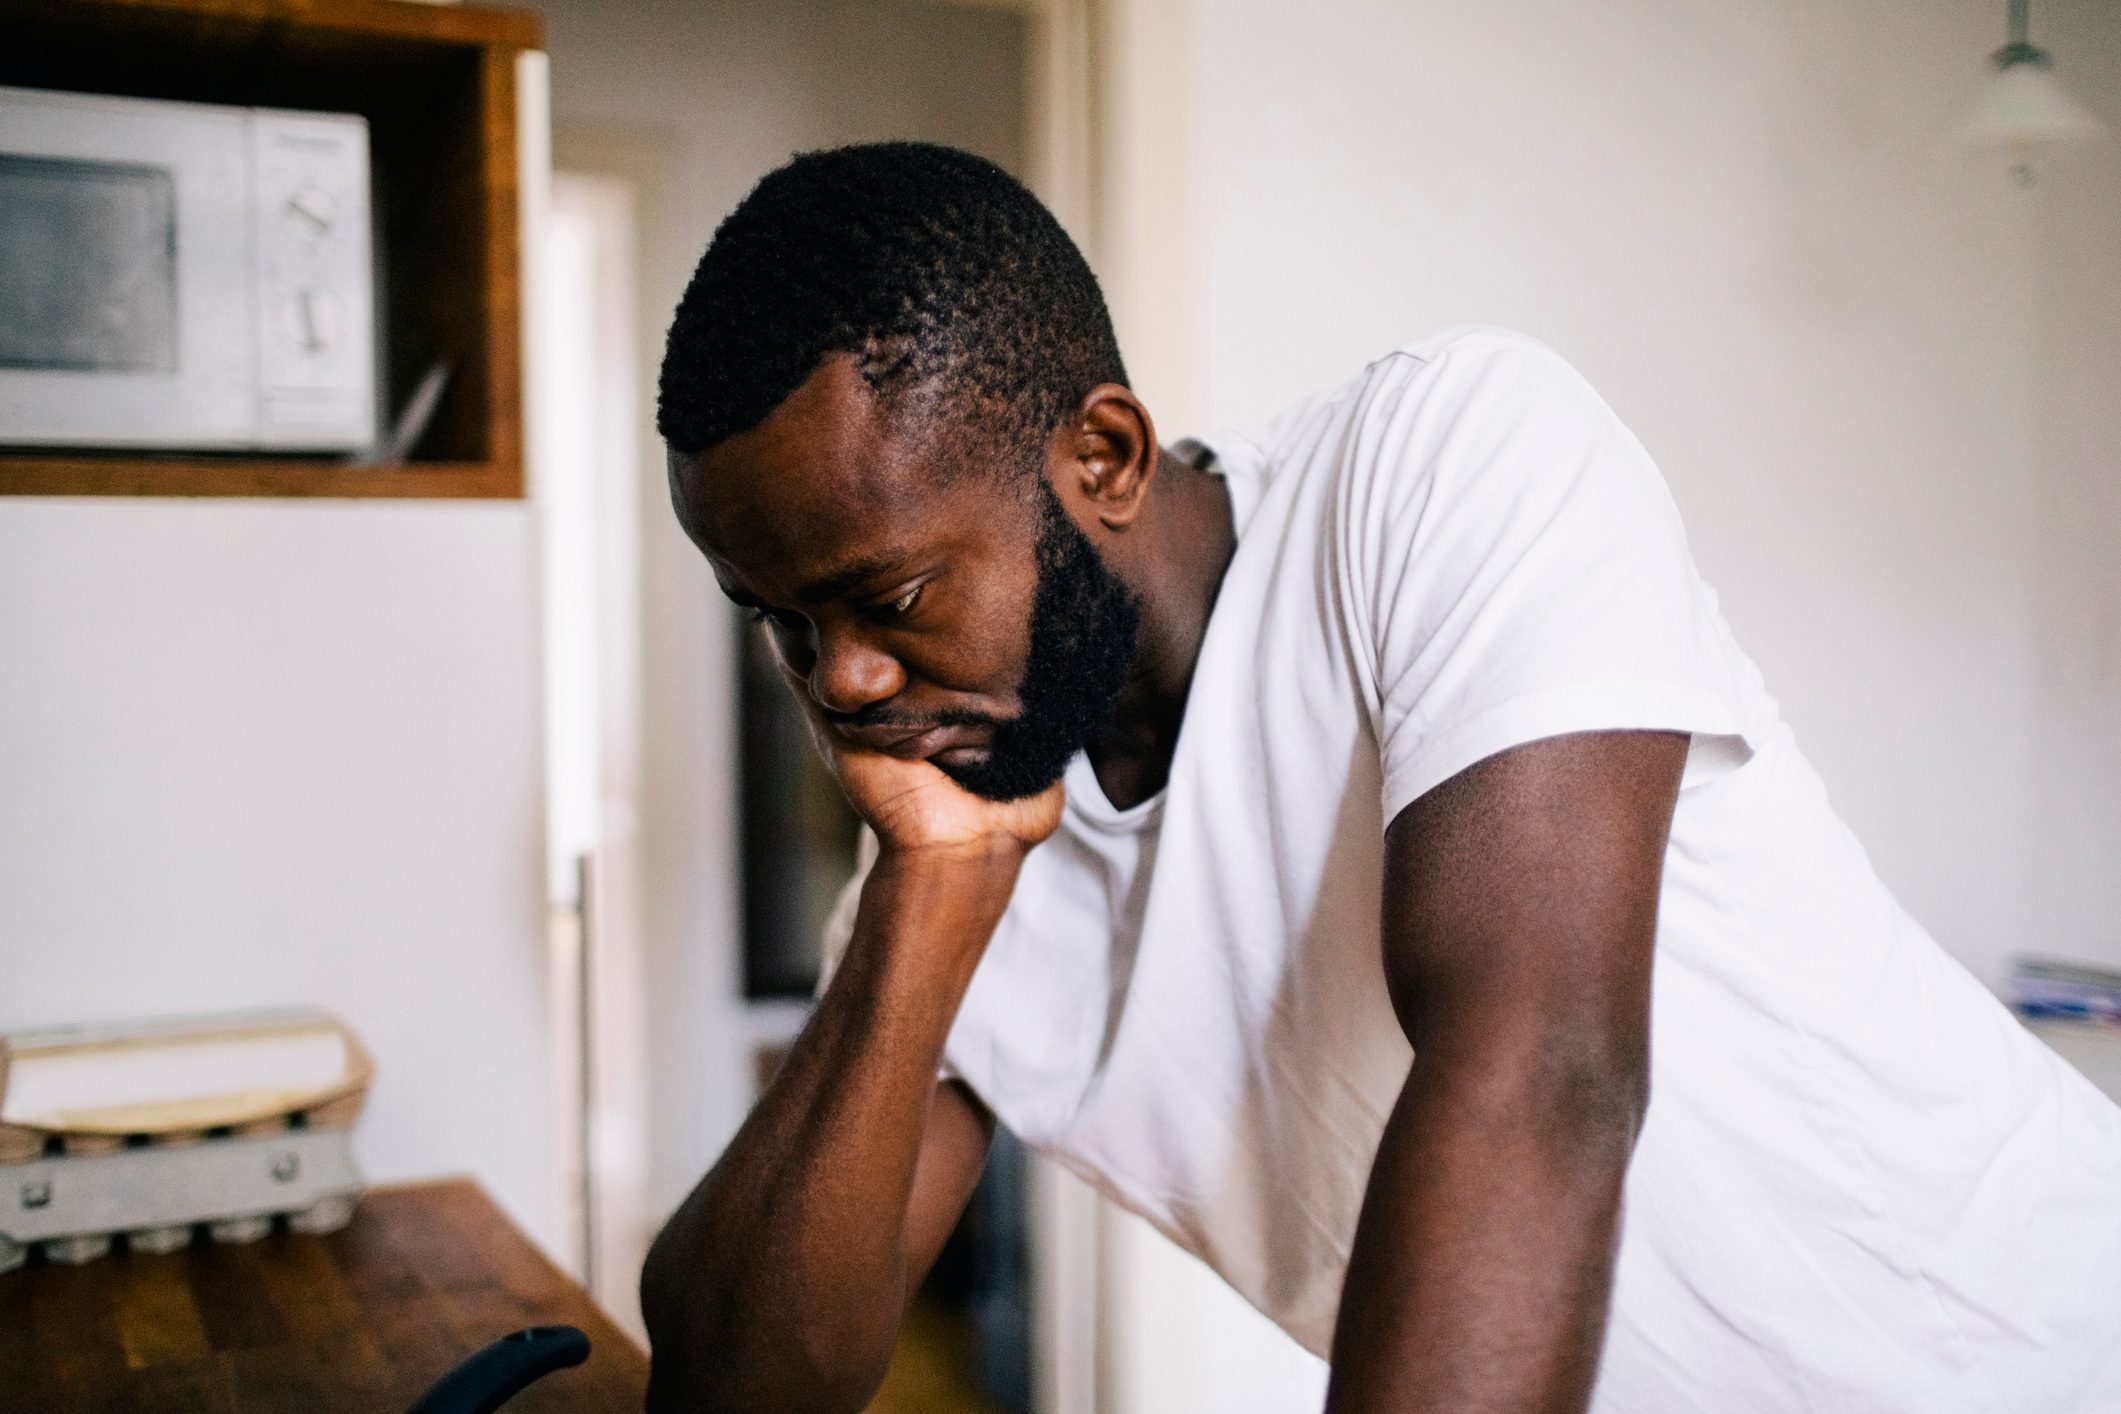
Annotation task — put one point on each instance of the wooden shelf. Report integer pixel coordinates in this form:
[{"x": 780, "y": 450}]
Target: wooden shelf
[
  {"x": 437, "y": 84},
  {"x": 31, "y": 474}
]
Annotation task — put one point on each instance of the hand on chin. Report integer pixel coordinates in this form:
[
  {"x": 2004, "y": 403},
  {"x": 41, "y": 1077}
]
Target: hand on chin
[{"x": 914, "y": 806}]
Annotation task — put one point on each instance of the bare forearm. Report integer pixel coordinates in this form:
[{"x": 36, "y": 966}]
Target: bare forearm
[
  {"x": 777, "y": 1284},
  {"x": 1483, "y": 1259}
]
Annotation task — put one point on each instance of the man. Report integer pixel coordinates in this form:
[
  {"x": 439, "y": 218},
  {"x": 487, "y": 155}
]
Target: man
[{"x": 1285, "y": 834}]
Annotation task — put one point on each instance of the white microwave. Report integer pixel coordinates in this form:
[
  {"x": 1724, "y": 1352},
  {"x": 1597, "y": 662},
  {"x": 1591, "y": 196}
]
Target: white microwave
[{"x": 184, "y": 276}]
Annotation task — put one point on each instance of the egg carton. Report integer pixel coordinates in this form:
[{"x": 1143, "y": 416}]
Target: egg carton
[
  {"x": 77, "y": 1200},
  {"x": 148, "y": 1130}
]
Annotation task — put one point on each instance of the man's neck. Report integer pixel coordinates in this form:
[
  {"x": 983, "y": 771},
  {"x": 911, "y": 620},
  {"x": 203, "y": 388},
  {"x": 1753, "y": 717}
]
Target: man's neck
[{"x": 1191, "y": 539}]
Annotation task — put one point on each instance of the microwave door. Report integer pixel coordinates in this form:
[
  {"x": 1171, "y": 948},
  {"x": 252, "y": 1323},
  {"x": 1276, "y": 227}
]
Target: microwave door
[
  {"x": 125, "y": 285},
  {"x": 89, "y": 255}
]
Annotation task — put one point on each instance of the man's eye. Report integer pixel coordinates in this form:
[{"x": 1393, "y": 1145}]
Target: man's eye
[{"x": 903, "y": 605}]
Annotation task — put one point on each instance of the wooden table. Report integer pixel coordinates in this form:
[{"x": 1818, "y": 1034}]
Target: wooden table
[{"x": 363, "y": 1320}]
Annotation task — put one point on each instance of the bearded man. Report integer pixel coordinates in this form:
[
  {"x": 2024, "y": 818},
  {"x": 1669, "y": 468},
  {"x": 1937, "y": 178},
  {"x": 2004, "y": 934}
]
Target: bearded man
[{"x": 1326, "y": 839}]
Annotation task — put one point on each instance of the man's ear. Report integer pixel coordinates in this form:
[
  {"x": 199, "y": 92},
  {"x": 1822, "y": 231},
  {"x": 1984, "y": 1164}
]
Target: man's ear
[{"x": 1112, "y": 453}]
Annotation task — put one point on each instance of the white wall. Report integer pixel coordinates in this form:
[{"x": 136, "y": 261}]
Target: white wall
[
  {"x": 1880, "y": 379},
  {"x": 257, "y": 753},
  {"x": 1877, "y": 374},
  {"x": 2076, "y": 836},
  {"x": 699, "y": 101},
  {"x": 1752, "y": 227}
]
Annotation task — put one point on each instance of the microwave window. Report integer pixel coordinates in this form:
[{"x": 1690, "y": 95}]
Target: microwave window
[{"x": 88, "y": 266}]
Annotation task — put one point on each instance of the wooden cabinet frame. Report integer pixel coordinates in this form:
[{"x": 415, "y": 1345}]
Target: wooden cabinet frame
[{"x": 437, "y": 84}]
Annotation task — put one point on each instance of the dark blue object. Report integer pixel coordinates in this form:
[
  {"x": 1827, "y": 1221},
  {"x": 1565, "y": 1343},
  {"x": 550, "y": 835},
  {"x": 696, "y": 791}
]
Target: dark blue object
[{"x": 490, "y": 1378}]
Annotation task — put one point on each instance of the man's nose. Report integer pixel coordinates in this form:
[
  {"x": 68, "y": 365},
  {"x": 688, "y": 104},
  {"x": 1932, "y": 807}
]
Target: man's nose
[{"x": 849, "y": 674}]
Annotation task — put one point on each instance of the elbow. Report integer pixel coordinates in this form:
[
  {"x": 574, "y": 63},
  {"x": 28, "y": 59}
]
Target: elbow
[
  {"x": 1595, "y": 1099},
  {"x": 684, "y": 1324},
  {"x": 713, "y": 1347},
  {"x": 664, "y": 1394},
  {"x": 658, "y": 1296},
  {"x": 670, "y": 1388},
  {"x": 682, "y": 1379}
]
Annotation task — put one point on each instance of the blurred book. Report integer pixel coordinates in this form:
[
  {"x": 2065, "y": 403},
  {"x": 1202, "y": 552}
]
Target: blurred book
[
  {"x": 2056, "y": 989},
  {"x": 178, "y": 1073}
]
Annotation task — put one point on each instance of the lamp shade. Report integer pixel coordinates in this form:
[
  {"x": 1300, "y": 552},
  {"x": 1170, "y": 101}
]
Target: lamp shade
[{"x": 2022, "y": 104}]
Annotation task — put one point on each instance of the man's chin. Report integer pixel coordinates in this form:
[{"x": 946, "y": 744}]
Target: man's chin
[{"x": 997, "y": 776}]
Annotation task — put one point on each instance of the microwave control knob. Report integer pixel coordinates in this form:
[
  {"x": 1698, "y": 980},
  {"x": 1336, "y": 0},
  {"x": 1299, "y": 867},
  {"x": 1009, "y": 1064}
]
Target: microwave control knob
[
  {"x": 311, "y": 210},
  {"x": 315, "y": 319}
]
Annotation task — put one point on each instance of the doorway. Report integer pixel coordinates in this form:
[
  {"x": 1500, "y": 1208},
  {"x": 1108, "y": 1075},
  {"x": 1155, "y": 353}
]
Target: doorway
[
  {"x": 681, "y": 109},
  {"x": 585, "y": 382}
]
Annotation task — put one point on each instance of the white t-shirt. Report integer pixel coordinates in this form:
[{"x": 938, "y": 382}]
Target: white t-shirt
[{"x": 1861, "y": 1186}]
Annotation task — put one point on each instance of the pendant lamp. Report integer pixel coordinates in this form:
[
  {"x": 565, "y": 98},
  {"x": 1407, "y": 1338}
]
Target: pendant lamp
[{"x": 2023, "y": 104}]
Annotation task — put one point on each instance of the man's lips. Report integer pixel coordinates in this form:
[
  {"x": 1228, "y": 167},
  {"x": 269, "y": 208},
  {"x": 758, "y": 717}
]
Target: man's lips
[{"x": 909, "y": 743}]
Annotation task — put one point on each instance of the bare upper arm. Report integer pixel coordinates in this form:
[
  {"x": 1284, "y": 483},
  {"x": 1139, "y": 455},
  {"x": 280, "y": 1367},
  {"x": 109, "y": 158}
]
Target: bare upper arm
[
  {"x": 1520, "y": 907},
  {"x": 953, "y": 1150}
]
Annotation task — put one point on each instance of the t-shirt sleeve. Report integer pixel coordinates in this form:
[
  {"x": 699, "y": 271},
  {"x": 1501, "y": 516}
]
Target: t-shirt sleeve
[{"x": 1522, "y": 570}]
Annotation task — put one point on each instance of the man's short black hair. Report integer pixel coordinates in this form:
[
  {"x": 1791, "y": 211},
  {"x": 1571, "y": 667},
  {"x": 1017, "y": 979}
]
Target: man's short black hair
[{"x": 935, "y": 268}]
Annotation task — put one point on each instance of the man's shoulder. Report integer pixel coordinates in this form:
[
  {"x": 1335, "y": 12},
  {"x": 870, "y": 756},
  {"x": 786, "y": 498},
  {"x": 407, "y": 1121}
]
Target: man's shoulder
[
  {"x": 1448, "y": 364},
  {"x": 1453, "y": 363},
  {"x": 1468, "y": 339}
]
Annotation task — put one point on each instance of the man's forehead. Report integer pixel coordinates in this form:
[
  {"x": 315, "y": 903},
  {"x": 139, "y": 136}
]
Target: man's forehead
[{"x": 830, "y": 487}]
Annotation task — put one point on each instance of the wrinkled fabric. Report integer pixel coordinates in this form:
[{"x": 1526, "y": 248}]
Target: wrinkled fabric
[{"x": 1862, "y": 1187}]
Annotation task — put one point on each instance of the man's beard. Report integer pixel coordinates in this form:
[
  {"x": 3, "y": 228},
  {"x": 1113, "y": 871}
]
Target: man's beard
[{"x": 1083, "y": 625}]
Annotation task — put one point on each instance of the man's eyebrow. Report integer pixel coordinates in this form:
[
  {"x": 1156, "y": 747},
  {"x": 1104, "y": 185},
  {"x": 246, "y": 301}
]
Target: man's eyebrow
[{"x": 849, "y": 576}]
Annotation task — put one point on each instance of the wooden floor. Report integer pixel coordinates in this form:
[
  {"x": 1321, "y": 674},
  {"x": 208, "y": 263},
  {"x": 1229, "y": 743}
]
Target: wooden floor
[{"x": 930, "y": 1373}]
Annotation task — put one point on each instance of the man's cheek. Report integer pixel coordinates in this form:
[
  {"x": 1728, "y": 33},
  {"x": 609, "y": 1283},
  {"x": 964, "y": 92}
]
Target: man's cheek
[{"x": 973, "y": 664}]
